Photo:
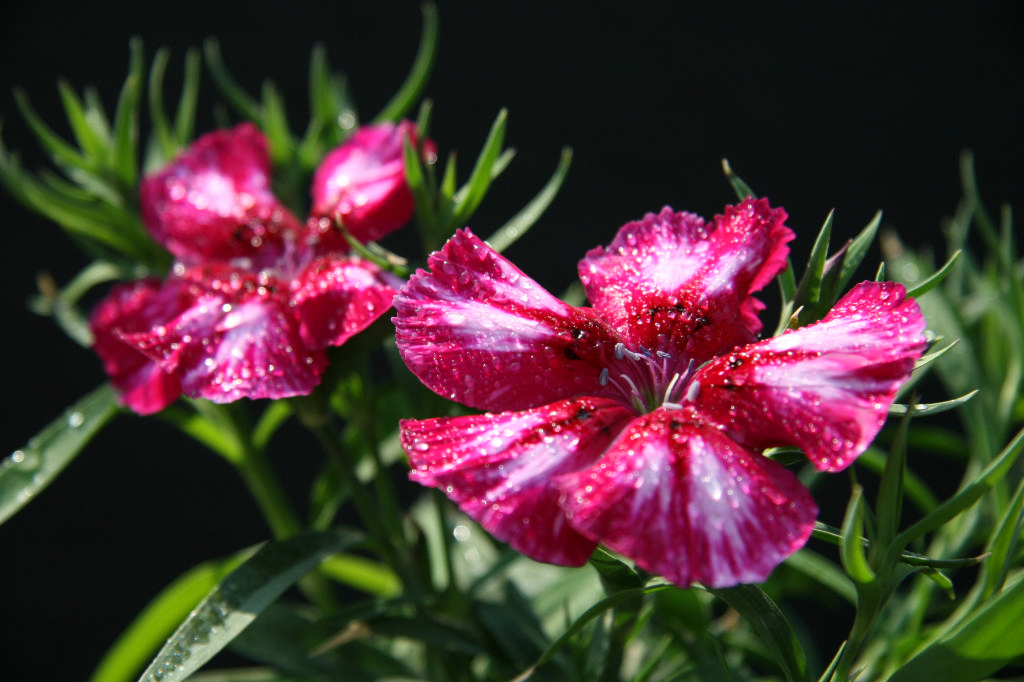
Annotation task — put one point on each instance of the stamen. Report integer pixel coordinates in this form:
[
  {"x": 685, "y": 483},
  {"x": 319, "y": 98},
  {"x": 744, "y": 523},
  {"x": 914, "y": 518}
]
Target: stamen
[
  {"x": 647, "y": 380},
  {"x": 603, "y": 379}
]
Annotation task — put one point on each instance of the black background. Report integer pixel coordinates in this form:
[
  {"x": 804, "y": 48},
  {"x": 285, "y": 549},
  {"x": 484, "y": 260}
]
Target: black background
[{"x": 852, "y": 106}]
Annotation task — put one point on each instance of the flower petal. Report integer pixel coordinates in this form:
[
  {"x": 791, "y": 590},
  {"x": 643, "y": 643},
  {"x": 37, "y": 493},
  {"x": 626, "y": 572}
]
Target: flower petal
[
  {"x": 214, "y": 202},
  {"x": 673, "y": 277},
  {"x": 239, "y": 339},
  {"x": 826, "y": 387},
  {"x": 335, "y": 298},
  {"x": 686, "y": 502},
  {"x": 475, "y": 329},
  {"x": 500, "y": 468},
  {"x": 131, "y": 307},
  {"x": 362, "y": 184}
]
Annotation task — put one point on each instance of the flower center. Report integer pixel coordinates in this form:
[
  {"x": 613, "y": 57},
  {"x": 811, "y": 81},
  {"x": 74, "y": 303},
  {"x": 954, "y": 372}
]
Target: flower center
[{"x": 649, "y": 380}]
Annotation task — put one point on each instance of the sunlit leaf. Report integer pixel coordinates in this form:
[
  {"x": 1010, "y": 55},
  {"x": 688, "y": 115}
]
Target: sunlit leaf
[
  {"x": 234, "y": 603},
  {"x": 517, "y": 226},
  {"x": 416, "y": 81},
  {"x": 28, "y": 470}
]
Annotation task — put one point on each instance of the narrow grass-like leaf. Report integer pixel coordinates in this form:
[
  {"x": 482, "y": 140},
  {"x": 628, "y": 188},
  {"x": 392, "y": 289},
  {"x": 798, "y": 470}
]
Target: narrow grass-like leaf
[
  {"x": 1003, "y": 545},
  {"x": 929, "y": 358},
  {"x": 88, "y": 135},
  {"x": 857, "y": 250},
  {"x": 916, "y": 490},
  {"x": 507, "y": 234},
  {"x": 426, "y": 216},
  {"x": 851, "y": 546},
  {"x": 61, "y": 152},
  {"x": 369, "y": 576},
  {"x": 157, "y": 112},
  {"x": 204, "y": 430},
  {"x": 741, "y": 188},
  {"x": 984, "y": 642},
  {"x": 275, "y": 415},
  {"x": 936, "y": 279},
  {"x": 185, "y": 114},
  {"x": 26, "y": 471},
  {"x": 967, "y": 496},
  {"x": 889, "y": 504},
  {"x": 771, "y": 625},
  {"x": 412, "y": 88},
  {"x": 809, "y": 291},
  {"x": 124, "y": 157},
  {"x": 236, "y": 95},
  {"x": 274, "y": 123},
  {"x": 236, "y": 601},
  {"x": 589, "y": 615},
  {"x": 142, "y": 638},
  {"x": 922, "y": 409},
  {"x": 816, "y": 567},
  {"x": 472, "y": 193}
]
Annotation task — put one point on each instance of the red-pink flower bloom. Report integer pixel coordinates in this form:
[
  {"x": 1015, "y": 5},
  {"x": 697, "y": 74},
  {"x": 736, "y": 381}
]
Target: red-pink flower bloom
[
  {"x": 361, "y": 185},
  {"x": 255, "y": 297},
  {"x": 640, "y": 423}
]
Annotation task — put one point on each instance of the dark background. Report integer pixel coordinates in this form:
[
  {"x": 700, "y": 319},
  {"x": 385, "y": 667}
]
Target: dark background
[{"x": 852, "y": 106}]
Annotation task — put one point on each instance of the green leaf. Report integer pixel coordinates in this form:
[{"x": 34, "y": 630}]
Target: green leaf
[
  {"x": 507, "y": 234},
  {"x": 155, "y": 623},
  {"x": 472, "y": 193},
  {"x": 771, "y": 625},
  {"x": 236, "y": 601},
  {"x": 416, "y": 81},
  {"x": 851, "y": 547},
  {"x": 966, "y": 497},
  {"x": 157, "y": 113},
  {"x": 88, "y": 133},
  {"x": 185, "y": 115},
  {"x": 922, "y": 409},
  {"x": 936, "y": 279},
  {"x": 816, "y": 567},
  {"x": 889, "y": 504},
  {"x": 741, "y": 188},
  {"x": 809, "y": 291},
  {"x": 983, "y": 643},
  {"x": 124, "y": 157},
  {"x": 857, "y": 250},
  {"x": 28, "y": 470},
  {"x": 236, "y": 95}
]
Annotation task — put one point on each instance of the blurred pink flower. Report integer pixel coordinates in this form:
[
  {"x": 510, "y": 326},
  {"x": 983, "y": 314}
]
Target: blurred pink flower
[
  {"x": 640, "y": 423},
  {"x": 256, "y": 296}
]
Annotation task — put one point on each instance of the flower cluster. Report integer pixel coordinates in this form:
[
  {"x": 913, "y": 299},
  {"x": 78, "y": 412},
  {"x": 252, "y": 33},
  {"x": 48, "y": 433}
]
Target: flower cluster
[
  {"x": 640, "y": 422},
  {"x": 255, "y": 295}
]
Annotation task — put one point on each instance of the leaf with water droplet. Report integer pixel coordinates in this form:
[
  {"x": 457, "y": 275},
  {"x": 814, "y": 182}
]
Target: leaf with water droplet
[
  {"x": 27, "y": 471},
  {"x": 233, "y": 604}
]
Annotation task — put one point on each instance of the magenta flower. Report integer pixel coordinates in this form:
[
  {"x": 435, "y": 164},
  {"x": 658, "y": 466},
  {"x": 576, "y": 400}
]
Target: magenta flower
[
  {"x": 255, "y": 297},
  {"x": 361, "y": 185},
  {"x": 640, "y": 423}
]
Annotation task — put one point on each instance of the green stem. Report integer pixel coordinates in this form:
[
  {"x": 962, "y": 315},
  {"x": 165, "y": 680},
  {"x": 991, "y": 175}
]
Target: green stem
[{"x": 253, "y": 466}]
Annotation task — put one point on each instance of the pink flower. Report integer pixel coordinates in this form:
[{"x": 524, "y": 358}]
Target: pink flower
[
  {"x": 215, "y": 203},
  {"x": 361, "y": 185},
  {"x": 256, "y": 296},
  {"x": 640, "y": 423}
]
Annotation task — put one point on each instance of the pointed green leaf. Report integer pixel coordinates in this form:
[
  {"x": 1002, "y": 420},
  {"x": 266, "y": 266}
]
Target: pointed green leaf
[
  {"x": 771, "y": 625},
  {"x": 1002, "y": 548},
  {"x": 889, "y": 505},
  {"x": 62, "y": 153},
  {"x": 25, "y": 472},
  {"x": 414, "y": 83},
  {"x": 274, "y": 123},
  {"x": 142, "y": 638},
  {"x": 809, "y": 291},
  {"x": 741, "y": 188},
  {"x": 472, "y": 193},
  {"x": 239, "y": 598},
  {"x": 124, "y": 156},
  {"x": 929, "y": 358},
  {"x": 185, "y": 114},
  {"x": 507, "y": 234},
  {"x": 852, "y": 551},
  {"x": 936, "y": 279},
  {"x": 86, "y": 131},
  {"x": 966, "y": 497},
  {"x": 857, "y": 249},
  {"x": 983, "y": 643},
  {"x": 157, "y": 113},
  {"x": 922, "y": 409},
  {"x": 246, "y": 105}
]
